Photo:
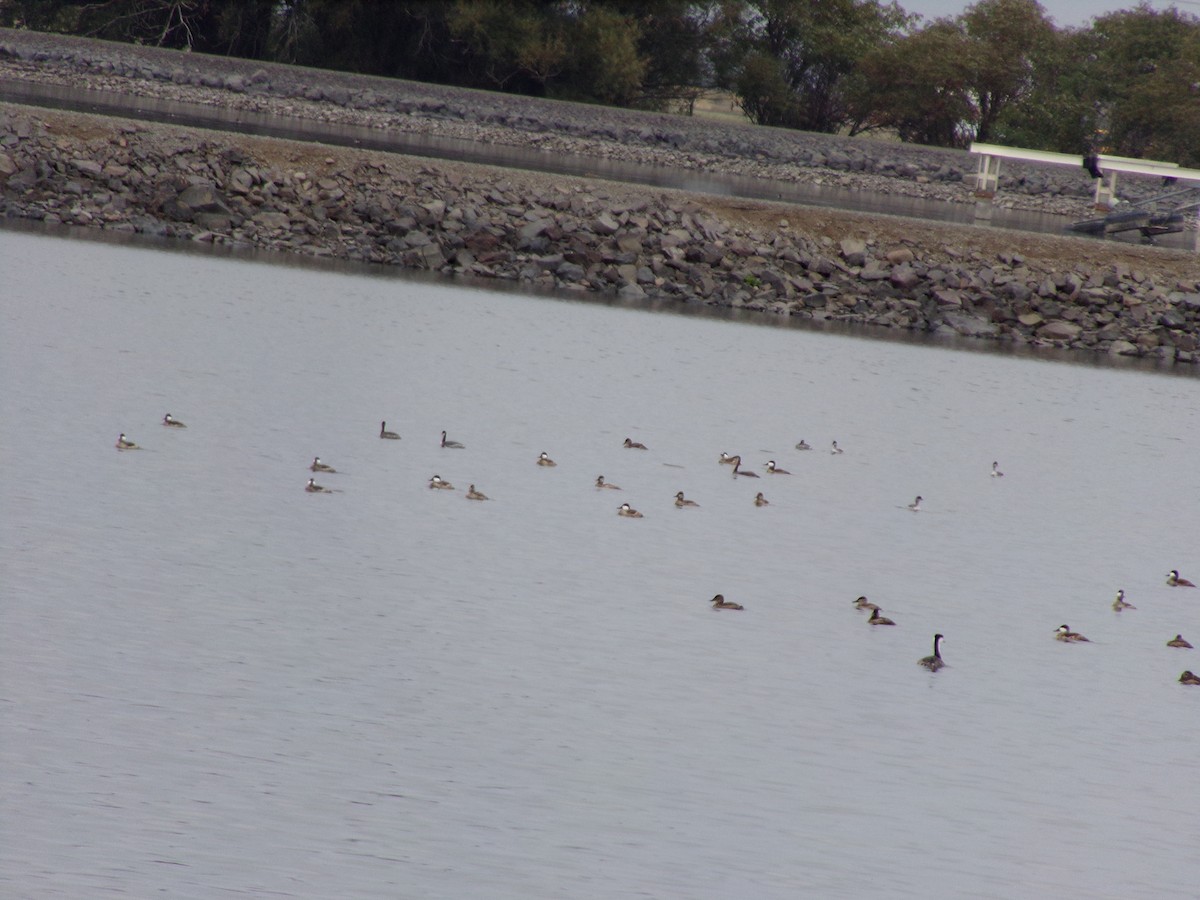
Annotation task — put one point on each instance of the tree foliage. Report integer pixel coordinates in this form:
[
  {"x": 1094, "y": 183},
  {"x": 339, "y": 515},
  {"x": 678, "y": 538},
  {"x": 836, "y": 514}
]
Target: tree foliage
[{"x": 1129, "y": 83}]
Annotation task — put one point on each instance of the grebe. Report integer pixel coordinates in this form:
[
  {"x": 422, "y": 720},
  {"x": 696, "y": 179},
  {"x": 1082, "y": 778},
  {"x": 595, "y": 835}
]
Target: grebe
[
  {"x": 915, "y": 506},
  {"x": 935, "y": 662},
  {"x": 877, "y": 619},
  {"x": 835, "y": 449},
  {"x": 996, "y": 473},
  {"x": 737, "y": 469},
  {"x": 450, "y": 445},
  {"x": 387, "y": 435},
  {"x": 601, "y": 483}
]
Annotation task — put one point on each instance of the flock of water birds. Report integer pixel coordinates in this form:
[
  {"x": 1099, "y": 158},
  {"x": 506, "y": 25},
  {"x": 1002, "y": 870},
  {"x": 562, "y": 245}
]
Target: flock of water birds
[{"x": 933, "y": 662}]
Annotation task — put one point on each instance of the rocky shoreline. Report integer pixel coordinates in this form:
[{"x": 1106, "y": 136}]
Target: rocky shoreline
[{"x": 583, "y": 235}]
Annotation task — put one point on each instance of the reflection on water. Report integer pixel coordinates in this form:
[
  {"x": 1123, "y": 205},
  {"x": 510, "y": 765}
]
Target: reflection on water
[{"x": 217, "y": 682}]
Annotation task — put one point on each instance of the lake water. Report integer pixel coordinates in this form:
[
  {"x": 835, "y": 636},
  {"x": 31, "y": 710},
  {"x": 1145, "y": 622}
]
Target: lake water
[{"x": 213, "y": 683}]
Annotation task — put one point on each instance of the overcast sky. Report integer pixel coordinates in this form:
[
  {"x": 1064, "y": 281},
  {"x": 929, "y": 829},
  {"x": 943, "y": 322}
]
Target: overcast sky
[{"x": 1065, "y": 13}]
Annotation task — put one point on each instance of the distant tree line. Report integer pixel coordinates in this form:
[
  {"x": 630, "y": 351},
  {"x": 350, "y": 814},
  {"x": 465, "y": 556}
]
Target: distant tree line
[{"x": 1001, "y": 71}]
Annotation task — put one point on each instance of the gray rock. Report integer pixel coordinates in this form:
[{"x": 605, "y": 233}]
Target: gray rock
[{"x": 1059, "y": 330}]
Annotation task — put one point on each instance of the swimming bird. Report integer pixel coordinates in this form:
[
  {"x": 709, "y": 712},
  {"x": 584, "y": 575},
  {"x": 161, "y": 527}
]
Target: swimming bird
[
  {"x": 864, "y": 603},
  {"x": 172, "y": 422},
  {"x": 473, "y": 494},
  {"x": 439, "y": 483},
  {"x": 1120, "y": 604},
  {"x": 775, "y": 470},
  {"x": 1178, "y": 641},
  {"x": 318, "y": 466},
  {"x": 1065, "y": 634},
  {"x": 935, "y": 662},
  {"x": 760, "y": 500},
  {"x": 601, "y": 483},
  {"x": 313, "y": 488},
  {"x": 737, "y": 469},
  {"x": 633, "y": 445},
  {"x": 544, "y": 460},
  {"x": 803, "y": 445},
  {"x": 451, "y": 445},
  {"x": 726, "y": 460},
  {"x": 1174, "y": 580},
  {"x": 719, "y": 602},
  {"x": 996, "y": 473},
  {"x": 835, "y": 449},
  {"x": 1189, "y": 678},
  {"x": 125, "y": 444},
  {"x": 388, "y": 435},
  {"x": 915, "y": 506},
  {"x": 628, "y": 511},
  {"x": 681, "y": 501},
  {"x": 877, "y": 619}
]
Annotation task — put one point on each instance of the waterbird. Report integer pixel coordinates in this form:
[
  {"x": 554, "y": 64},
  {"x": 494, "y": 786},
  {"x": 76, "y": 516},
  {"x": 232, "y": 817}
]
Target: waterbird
[
  {"x": 1065, "y": 634},
  {"x": 473, "y": 494},
  {"x": 633, "y": 445},
  {"x": 719, "y": 602},
  {"x": 601, "y": 483},
  {"x": 1174, "y": 580},
  {"x": 775, "y": 470},
  {"x": 451, "y": 445},
  {"x": 1120, "y": 603},
  {"x": 388, "y": 435},
  {"x": 935, "y": 662},
  {"x": 682, "y": 501},
  {"x": 124, "y": 444},
  {"x": 628, "y": 511},
  {"x": 1178, "y": 641},
  {"x": 172, "y": 422},
  {"x": 544, "y": 460},
  {"x": 318, "y": 466},
  {"x": 313, "y": 488},
  {"x": 441, "y": 484},
  {"x": 877, "y": 619}
]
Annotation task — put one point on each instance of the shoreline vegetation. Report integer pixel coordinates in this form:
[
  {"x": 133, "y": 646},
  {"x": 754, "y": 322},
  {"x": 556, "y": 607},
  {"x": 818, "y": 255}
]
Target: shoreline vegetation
[{"x": 579, "y": 234}]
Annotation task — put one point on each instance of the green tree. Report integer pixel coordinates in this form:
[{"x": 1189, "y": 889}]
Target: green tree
[
  {"x": 1004, "y": 38},
  {"x": 788, "y": 61},
  {"x": 917, "y": 87},
  {"x": 1146, "y": 77},
  {"x": 1062, "y": 111}
]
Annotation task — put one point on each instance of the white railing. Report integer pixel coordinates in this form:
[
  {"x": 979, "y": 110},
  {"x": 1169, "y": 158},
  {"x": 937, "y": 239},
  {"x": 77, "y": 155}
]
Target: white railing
[{"x": 988, "y": 179}]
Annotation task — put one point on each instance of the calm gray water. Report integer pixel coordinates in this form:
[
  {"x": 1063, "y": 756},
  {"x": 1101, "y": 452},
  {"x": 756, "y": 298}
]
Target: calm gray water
[{"x": 215, "y": 684}]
